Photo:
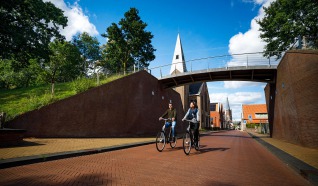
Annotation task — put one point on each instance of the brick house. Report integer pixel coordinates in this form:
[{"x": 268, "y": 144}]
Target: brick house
[
  {"x": 255, "y": 113},
  {"x": 216, "y": 115}
]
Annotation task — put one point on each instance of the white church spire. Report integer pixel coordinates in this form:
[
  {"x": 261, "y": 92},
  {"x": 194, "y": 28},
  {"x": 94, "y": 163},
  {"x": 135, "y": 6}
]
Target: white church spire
[
  {"x": 227, "y": 104},
  {"x": 178, "y": 61}
]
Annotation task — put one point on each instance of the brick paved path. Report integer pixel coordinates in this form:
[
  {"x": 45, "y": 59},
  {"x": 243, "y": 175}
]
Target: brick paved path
[{"x": 225, "y": 158}]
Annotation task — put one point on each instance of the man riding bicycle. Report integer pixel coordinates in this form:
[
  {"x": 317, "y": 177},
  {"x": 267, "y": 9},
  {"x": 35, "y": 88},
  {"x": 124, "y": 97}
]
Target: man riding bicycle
[
  {"x": 172, "y": 115},
  {"x": 194, "y": 115}
]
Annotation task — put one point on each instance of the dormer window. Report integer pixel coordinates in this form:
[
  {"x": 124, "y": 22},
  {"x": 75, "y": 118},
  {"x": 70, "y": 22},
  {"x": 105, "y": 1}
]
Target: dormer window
[{"x": 177, "y": 56}]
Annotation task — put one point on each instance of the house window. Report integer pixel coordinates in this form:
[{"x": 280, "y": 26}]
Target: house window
[
  {"x": 261, "y": 115},
  {"x": 250, "y": 117},
  {"x": 212, "y": 107},
  {"x": 177, "y": 56}
]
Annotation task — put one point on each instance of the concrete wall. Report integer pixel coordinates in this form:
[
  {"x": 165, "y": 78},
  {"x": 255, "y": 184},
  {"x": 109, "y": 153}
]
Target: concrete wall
[
  {"x": 128, "y": 107},
  {"x": 296, "y": 99}
]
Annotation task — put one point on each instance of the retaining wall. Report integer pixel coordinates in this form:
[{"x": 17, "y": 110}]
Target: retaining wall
[
  {"x": 296, "y": 99},
  {"x": 128, "y": 107}
]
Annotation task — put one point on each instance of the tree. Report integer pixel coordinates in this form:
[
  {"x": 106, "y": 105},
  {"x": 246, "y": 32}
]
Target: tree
[
  {"x": 23, "y": 77},
  {"x": 65, "y": 63},
  {"x": 129, "y": 44},
  {"x": 7, "y": 74},
  {"x": 286, "y": 20},
  {"x": 27, "y": 27},
  {"x": 89, "y": 48}
]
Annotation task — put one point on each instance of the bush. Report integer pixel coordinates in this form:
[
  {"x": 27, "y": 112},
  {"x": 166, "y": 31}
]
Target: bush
[
  {"x": 82, "y": 84},
  {"x": 36, "y": 102},
  {"x": 251, "y": 125}
]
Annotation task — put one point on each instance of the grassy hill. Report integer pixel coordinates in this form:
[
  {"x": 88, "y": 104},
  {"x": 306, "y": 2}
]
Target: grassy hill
[{"x": 18, "y": 101}]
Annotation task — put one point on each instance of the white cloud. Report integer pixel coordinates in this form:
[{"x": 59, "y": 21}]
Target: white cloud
[
  {"x": 215, "y": 87},
  {"x": 255, "y": 1},
  {"x": 239, "y": 84},
  {"x": 245, "y": 97},
  {"x": 78, "y": 22},
  {"x": 250, "y": 41},
  {"x": 247, "y": 42},
  {"x": 237, "y": 97}
]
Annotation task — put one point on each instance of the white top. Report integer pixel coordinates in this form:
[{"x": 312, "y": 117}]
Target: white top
[{"x": 178, "y": 61}]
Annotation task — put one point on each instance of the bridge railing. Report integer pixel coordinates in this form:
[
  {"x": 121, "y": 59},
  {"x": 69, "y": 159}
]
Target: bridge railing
[{"x": 217, "y": 62}]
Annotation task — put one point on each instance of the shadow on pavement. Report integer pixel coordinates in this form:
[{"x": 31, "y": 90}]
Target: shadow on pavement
[
  {"x": 174, "y": 149},
  {"x": 205, "y": 150},
  {"x": 231, "y": 136},
  {"x": 85, "y": 179},
  {"x": 22, "y": 144}
]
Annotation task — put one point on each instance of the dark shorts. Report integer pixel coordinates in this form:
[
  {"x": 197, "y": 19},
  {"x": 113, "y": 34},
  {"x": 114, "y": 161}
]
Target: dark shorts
[
  {"x": 168, "y": 124},
  {"x": 194, "y": 126}
]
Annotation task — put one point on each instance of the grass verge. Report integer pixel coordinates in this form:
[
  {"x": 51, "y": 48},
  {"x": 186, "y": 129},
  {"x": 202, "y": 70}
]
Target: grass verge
[{"x": 18, "y": 101}]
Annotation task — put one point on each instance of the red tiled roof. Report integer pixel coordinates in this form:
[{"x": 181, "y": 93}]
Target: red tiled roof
[{"x": 251, "y": 110}]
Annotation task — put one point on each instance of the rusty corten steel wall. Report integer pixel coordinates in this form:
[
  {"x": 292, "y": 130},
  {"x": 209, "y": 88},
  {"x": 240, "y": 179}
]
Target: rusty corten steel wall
[
  {"x": 296, "y": 99},
  {"x": 270, "y": 90},
  {"x": 128, "y": 107}
]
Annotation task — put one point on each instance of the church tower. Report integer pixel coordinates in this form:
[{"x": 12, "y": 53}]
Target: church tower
[
  {"x": 227, "y": 114},
  {"x": 178, "y": 61},
  {"x": 178, "y": 66}
]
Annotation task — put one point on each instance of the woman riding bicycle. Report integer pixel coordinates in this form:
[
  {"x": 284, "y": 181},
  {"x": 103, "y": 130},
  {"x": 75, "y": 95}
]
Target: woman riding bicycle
[
  {"x": 172, "y": 114},
  {"x": 194, "y": 115}
]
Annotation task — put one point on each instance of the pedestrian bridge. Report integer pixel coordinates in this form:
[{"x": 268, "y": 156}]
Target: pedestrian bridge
[{"x": 238, "y": 67}]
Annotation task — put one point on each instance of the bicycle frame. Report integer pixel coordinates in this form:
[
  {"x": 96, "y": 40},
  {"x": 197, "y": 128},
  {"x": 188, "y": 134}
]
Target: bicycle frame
[
  {"x": 163, "y": 137},
  {"x": 188, "y": 139}
]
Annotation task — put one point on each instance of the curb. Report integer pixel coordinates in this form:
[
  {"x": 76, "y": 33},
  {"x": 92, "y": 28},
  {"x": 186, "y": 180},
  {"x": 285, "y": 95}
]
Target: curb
[
  {"x": 13, "y": 162},
  {"x": 307, "y": 171}
]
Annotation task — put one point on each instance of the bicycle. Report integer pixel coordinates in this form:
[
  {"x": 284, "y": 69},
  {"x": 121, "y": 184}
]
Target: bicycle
[
  {"x": 188, "y": 139},
  {"x": 164, "y": 137}
]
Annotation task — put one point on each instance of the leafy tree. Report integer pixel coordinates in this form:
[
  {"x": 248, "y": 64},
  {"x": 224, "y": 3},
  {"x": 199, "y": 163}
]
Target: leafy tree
[
  {"x": 23, "y": 77},
  {"x": 286, "y": 20},
  {"x": 30, "y": 75},
  {"x": 7, "y": 74},
  {"x": 89, "y": 48},
  {"x": 128, "y": 44},
  {"x": 112, "y": 52},
  {"x": 27, "y": 27},
  {"x": 65, "y": 63}
]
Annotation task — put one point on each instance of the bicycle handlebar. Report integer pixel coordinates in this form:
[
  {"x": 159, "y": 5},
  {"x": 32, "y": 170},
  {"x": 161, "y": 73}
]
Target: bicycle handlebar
[
  {"x": 166, "y": 119},
  {"x": 192, "y": 121}
]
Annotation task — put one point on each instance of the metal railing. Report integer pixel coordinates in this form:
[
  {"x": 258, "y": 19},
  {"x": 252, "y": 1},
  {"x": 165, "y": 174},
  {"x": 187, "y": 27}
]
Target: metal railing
[{"x": 218, "y": 62}]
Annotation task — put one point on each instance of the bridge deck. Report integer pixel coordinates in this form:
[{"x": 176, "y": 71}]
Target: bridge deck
[{"x": 250, "y": 73}]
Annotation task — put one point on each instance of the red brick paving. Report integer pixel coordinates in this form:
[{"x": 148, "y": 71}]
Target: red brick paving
[{"x": 225, "y": 158}]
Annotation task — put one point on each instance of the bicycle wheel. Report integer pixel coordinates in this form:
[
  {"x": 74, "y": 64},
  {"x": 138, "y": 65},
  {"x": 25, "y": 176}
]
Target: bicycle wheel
[
  {"x": 173, "y": 143},
  {"x": 160, "y": 141},
  {"x": 197, "y": 147},
  {"x": 187, "y": 143}
]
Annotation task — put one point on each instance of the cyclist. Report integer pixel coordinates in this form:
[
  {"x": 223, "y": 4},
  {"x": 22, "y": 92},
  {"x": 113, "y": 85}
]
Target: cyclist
[
  {"x": 172, "y": 115},
  {"x": 194, "y": 115}
]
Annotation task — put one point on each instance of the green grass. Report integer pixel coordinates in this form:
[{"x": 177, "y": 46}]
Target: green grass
[{"x": 18, "y": 101}]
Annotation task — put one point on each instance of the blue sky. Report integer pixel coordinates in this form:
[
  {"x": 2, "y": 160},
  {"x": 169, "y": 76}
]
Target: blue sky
[{"x": 206, "y": 27}]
